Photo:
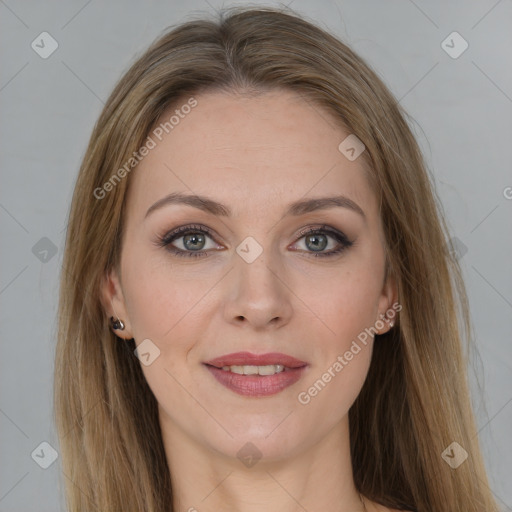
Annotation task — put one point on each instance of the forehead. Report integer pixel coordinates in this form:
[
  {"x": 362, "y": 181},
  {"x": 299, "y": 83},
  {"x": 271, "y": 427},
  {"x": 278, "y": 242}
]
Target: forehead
[{"x": 249, "y": 152}]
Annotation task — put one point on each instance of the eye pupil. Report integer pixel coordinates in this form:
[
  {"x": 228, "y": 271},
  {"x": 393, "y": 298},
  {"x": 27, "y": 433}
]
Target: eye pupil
[
  {"x": 194, "y": 239},
  {"x": 316, "y": 244}
]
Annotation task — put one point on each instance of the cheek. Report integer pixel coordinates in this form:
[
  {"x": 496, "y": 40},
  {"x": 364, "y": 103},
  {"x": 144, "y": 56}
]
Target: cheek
[
  {"x": 166, "y": 308},
  {"x": 344, "y": 302},
  {"x": 346, "y": 306},
  {"x": 151, "y": 306},
  {"x": 344, "y": 355},
  {"x": 159, "y": 301}
]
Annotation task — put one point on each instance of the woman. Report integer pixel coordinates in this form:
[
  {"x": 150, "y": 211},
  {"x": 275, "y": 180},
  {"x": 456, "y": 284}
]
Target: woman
[{"x": 258, "y": 309}]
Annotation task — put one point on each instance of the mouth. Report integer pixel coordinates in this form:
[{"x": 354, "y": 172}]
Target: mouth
[{"x": 256, "y": 375}]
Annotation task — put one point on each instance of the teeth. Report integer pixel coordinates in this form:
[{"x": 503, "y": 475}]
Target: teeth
[{"x": 270, "y": 369}]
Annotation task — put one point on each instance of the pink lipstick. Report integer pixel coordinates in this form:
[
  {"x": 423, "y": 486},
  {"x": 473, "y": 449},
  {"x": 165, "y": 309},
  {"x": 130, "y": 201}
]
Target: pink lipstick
[{"x": 256, "y": 375}]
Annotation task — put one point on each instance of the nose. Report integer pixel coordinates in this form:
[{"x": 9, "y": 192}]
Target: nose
[{"x": 257, "y": 294}]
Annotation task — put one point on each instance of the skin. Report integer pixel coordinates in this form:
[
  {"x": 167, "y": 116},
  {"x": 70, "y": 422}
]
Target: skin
[{"x": 254, "y": 155}]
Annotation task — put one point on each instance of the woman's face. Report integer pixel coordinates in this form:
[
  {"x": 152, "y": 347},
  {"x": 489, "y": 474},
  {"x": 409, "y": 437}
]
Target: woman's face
[{"x": 246, "y": 276}]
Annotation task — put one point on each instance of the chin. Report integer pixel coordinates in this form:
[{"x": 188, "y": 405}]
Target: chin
[{"x": 260, "y": 440}]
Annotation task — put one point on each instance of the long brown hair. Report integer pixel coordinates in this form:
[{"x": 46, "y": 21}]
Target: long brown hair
[{"x": 415, "y": 401}]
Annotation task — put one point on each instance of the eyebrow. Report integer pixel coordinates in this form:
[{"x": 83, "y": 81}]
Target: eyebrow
[{"x": 300, "y": 207}]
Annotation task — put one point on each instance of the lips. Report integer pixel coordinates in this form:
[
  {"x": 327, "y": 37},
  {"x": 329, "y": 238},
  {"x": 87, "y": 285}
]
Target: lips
[
  {"x": 252, "y": 385},
  {"x": 248, "y": 359}
]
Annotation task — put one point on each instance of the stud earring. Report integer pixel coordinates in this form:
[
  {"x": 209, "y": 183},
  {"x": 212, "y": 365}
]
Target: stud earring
[{"x": 117, "y": 324}]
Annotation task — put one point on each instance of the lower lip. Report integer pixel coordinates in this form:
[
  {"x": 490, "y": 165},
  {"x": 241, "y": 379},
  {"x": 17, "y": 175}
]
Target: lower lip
[{"x": 257, "y": 385}]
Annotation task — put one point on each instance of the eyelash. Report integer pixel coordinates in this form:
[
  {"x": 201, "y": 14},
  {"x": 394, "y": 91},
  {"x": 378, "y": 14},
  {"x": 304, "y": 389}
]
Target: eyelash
[{"x": 165, "y": 241}]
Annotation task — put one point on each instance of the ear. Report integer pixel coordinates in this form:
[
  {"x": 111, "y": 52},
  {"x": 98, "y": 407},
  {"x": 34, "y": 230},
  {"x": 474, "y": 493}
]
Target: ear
[
  {"x": 388, "y": 306},
  {"x": 113, "y": 303}
]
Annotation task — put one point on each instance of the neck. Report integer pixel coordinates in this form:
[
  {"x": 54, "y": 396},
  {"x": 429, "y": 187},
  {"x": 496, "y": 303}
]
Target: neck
[{"x": 318, "y": 478}]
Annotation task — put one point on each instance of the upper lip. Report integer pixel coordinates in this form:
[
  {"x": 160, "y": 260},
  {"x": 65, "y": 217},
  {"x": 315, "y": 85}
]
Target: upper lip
[{"x": 248, "y": 359}]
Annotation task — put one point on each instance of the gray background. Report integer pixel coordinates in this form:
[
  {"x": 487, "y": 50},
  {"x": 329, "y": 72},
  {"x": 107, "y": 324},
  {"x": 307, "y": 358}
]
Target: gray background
[{"x": 461, "y": 113}]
